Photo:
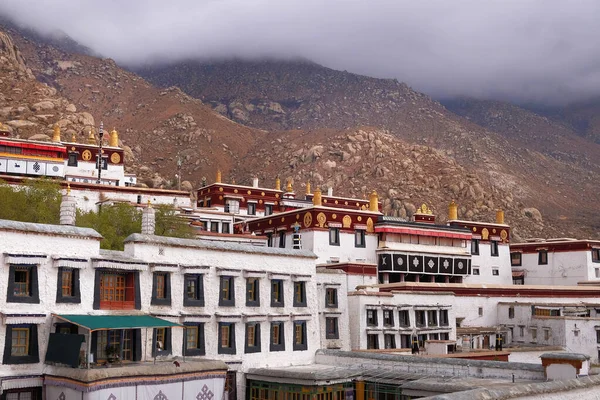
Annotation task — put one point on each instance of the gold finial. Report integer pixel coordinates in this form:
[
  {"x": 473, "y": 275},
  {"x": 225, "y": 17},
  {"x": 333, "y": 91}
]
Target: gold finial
[
  {"x": 218, "y": 180},
  {"x": 232, "y": 180},
  {"x": 499, "y": 216},
  {"x": 373, "y": 201},
  {"x": 56, "y": 134},
  {"x": 424, "y": 210},
  {"x": 452, "y": 211},
  {"x": 277, "y": 183},
  {"x": 73, "y": 137},
  {"x": 317, "y": 197},
  {"x": 307, "y": 187},
  {"x": 149, "y": 204},
  {"x": 289, "y": 188},
  {"x": 114, "y": 138},
  {"x": 91, "y": 137},
  {"x": 68, "y": 189}
]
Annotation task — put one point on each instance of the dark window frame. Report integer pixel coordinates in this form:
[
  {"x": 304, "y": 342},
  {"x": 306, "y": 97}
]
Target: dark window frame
[
  {"x": 251, "y": 208},
  {"x": 281, "y": 239},
  {"x": 75, "y": 298},
  {"x": 374, "y": 345},
  {"x": 224, "y": 225},
  {"x": 444, "y": 319},
  {"x": 336, "y": 236},
  {"x": 281, "y": 345},
  {"x": 256, "y": 348},
  {"x": 200, "y": 349},
  {"x": 514, "y": 263},
  {"x": 72, "y": 159},
  {"x": 392, "y": 341},
  {"x": 390, "y": 315},
  {"x": 403, "y": 322},
  {"x": 300, "y": 346},
  {"x": 475, "y": 247},
  {"x": 596, "y": 255},
  {"x": 33, "y": 354},
  {"x": 232, "y": 345},
  {"x": 256, "y": 291},
  {"x": 274, "y": 301},
  {"x": 137, "y": 300},
  {"x": 542, "y": 257},
  {"x": 372, "y": 321},
  {"x": 420, "y": 322},
  {"x": 494, "y": 252},
  {"x": 268, "y": 209},
  {"x": 360, "y": 238},
  {"x": 166, "y": 301},
  {"x": 332, "y": 334},
  {"x": 34, "y": 294},
  {"x": 333, "y": 304},
  {"x": 198, "y": 301},
  {"x": 302, "y": 301},
  {"x": 167, "y": 345},
  {"x": 229, "y": 281}
]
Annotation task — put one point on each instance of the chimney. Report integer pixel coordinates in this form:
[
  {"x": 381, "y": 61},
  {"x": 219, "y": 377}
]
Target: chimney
[
  {"x": 453, "y": 211},
  {"x": 255, "y": 182},
  {"x": 329, "y": 191},
  {"x": 68, "y": 208},
  {"x": 499, "y": 217},
  {"x": 148, "y": 220},
  {"x": 317, "y": 197}
]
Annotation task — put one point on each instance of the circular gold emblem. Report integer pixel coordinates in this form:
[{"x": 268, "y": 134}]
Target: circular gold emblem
[
  {"x": 115, "y": 158},
  {"x": 276, "y": 195},
  {"x": 220, "y": 189},
  {"x": 336, "y": 202},
  {"x": 307, "y": 219},
  {"x": 282, "y": 219},
  {"x": 346, "y": 203},
  {"x": 235, "y": 190},
  {"x": 321, "y": 219},
  {"x": 86, "y": 155},
  {"x": 249, "y": 191},
  {"x": 262, "y": 193},
  {"x": 503, "y": 234},
  {"x": 359, "y": 218},
  {"x": 297, "y": 216},
  {"x": 334, "y": 216}
]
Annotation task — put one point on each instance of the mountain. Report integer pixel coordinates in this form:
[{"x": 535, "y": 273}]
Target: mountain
[{"x": 299, "y": 120}]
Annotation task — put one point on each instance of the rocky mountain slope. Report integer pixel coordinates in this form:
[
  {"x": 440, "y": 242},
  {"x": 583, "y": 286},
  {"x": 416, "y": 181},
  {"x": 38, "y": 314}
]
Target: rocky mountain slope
[{"x": 357, "y": 134}]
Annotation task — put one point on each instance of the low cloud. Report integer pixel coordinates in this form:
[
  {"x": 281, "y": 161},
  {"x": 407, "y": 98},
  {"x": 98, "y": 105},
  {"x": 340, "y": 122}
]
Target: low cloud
[{"x": 537, "y": 51}]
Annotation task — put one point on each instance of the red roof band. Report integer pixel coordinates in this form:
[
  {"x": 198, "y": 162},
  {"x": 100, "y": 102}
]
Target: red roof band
[{"x": 409, "y": 231}]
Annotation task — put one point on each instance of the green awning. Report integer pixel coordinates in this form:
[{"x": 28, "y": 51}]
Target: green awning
[{"x": 104, "y": 322}]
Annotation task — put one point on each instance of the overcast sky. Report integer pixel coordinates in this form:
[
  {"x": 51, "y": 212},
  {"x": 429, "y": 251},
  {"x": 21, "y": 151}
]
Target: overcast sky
[{"x": 540, "y": 51}]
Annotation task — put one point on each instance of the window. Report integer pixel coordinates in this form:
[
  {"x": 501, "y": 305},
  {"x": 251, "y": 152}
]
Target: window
[
  {"x": 521, "y": 331},
  {"x": 225, "y": 227},
  {"x": 281, "y": 239},
  {"x": 543, "y": 257},
  {"x": 277, "y": 337},
  {"x": 299, "y": 294},
  {"x": 388, "y": 318},
  {"x": 494, "y": 248},
  {"x": 232, "y": 206},
  {"x": 360, "y": 238},
  {"x": 117, "y": 290},
  {"x": 268, "y": 209},
  {"x": 331, "y": 298},
  {"x": 373, "y": 342},
  {"x": 444, "y": 318},
  {"x": 389, "y": 341},
  {"x": 331, "y": 326},
  {"x": 122, "y": 344},
  {"x": 194, "y": 290},
  {"x": 480, "y": 311},
  {"x": 162, "y": 342},
  {"x": 475, "y": 246},
  {"x": 334, "y": 236},
  {"x": 371, "y": 317},
  {"x": 598, "y": 336},
  {"x": 420, "y": 318},
  {"x": 23, "y": 394},
  {"x": 193, "y": 339},
  {"x": 277, "y": 293},
  {"x": 533, "y": 333},
  {"x": 67, "y": 290},
  {"x": 72, "y": 162},
  {"x": 596, "y": 255},
  {"x": 252, "y": 338},
  {"x": 251, "y": 208},
  {"x": 403, "y": 318},
  {"x": 214, "y": 226},
  {"x": 495, "y": 271},
  {"x": 475, "y": 270},
  {"x": 226, "y": 338},
  {"x": 432, "y": 318},
  {"x": 300, "y": 342},
  {"x": 511, "y": 312},
  {"x": 161, "y": 289},
  {"x": 405, "y": 342},
  {"x": 23, "y": 284},
  {"x": 269, "y": 240},
  {"x": 546, "y": 334},
  {"x": 252, "y": 292},
  {"x": 515, "y": 259}
]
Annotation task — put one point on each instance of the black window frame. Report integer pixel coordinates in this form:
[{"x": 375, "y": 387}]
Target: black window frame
[
  {"x": 214, "y": 224},
  {"x": 137, "y": 299},
  {"x": 269, "y": 239},
  {"x": 393, "y": 340},
  {"x": 268, "y": 209},
  {"x": 390, "y": 317},
  {"x": 223, "y": 225},
  {"x": 257, "y": 341},
  {"x": 168, "y": 343},
  {"x": 495, "y": 271},
  {"x": 542, "y": 257},
  {"x": 200, "y": 350},
  {"x": 336, "y": 236},
  {"x": 256, "y": 301},
  {"x": 513, "y": 263},
  {"x": 73, "y": 329},
  {"x": 335, "y": 297},
  {"x": 423, "y": 314},
  {"x": 302, "y": 301},
  {"x": 281, "y": 345},
  {"x": 335, "y": 333},
  {"x": 251, "y": 208},
  {"x": 198, "y": 301},
  {"x": 72, "y": 159},
  {"x": 403, "y": 322},
  {"x": 230, "y": 282},
  {"x": 75, "y": 289},
  {"x": 360, "y": 234},
  {"x": 34, "y": 294},
  {"x": 281, "y": 301},
  {"x": 475, "y": 247},
  {"x": 444, "y": 319},
  {"x": 373, "y": 345},
  {"x": 281, "y": 239},
  {"x": 494, "y": 252},
  {"x": 596, "y": 255},
  {"x": 372, "y": 321},
  {"x": 511, "y": 312},
  {"x": 299, "y": 346},
  {"x": 232, "y": 345},
  {"x": 166, "y": 301},
  {"x": 33, "y": 356}
]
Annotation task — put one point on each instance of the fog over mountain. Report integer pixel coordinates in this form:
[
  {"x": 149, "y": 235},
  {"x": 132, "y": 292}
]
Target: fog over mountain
[{"x": 536, "y": 51}]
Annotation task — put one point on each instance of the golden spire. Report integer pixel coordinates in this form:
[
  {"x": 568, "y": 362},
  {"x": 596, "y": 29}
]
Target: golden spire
[
  {"x": 317, "y": 197},
  {"x": 499, "y": 216},
  {"x": 307, "y": 187},
  {"x": 373, "y": 201},
  {"x": 218, "y": 180},
  {"x": 91, "y": 137},
  {"x": 149, "y": 204},
  {"x": 73, "y": 137},
  {"x": 114, "y": 138},
  {"x": 289, "y": 188},
  {"x": 56, "y": 134},
  {"x": 68, "y": 189},
  {"x": 452, "y": 211},
  {"x": 277, "y": 183}
]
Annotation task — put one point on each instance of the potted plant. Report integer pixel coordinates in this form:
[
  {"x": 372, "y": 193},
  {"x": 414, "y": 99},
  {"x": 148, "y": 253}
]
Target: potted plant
[{"x": 112, "y": 353}]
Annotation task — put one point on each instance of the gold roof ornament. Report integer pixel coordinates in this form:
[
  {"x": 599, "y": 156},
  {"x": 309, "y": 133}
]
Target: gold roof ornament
[
  {"x": 317, "y": 200},
  {"x": 56, "y": 133},
  {"x": 424, "y": 209},
  {"x": 218, "y": 179},
  {"x": 73, "y": 137},
  {"x": 114, "y": 138},
  {"x": 289, "y": 188},
  {"x": 91, "y": 137},
  {"x": 499, "y": 216},
  {"x": 373, "y": 201},
  {"x": 452, "y": 211},
  {"x": 307, "y": 187},
  {"x": 149, "y": 204},
  {"x": 68, "y": 189},
  {"x": 277, "y": 183}
]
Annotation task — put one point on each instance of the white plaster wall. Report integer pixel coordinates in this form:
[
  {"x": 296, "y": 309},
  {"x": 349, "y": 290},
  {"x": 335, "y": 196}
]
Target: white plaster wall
[
  {"x": 90, "y": 170},
  {"x": 563, "y": 268},
  {"x": 86, "y": 199},
  {"x": 338, "y": 281},
  {"x": 355, "y": 280},
  {"x": 486, "y": 263},
  {"x": 589, "y": 393},
  {"x": 318, "y": 242}
]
